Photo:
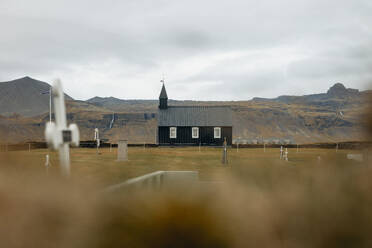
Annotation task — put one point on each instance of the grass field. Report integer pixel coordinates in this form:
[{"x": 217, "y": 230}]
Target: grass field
[
  {"x": 103, "y": 169},
  {"x": 262, "y": 202}
]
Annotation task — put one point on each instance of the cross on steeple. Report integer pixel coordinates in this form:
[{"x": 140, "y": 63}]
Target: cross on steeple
[{"x": 163, "y": 98}]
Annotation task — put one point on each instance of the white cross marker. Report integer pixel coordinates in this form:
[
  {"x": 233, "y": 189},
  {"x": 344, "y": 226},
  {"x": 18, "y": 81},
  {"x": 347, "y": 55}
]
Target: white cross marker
[
  {"x": 96, "y": 137},
  {"x": 281, "y": 152},
  {"x": 57, "y": 134},
  {"x": 47, "y": 163}
]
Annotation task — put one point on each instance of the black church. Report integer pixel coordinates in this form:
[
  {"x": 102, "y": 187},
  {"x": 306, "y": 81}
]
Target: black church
[{"x": 193, "y": 125}]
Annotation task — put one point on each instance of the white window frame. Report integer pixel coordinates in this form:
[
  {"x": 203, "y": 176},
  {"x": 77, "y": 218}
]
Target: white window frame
[
  {"x": 173, "y": 132},
  {"x": 197, "y": 132},
  {"x": 218, "y": 129}
]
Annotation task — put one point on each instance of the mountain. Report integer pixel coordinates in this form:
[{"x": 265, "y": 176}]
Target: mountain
[
  {"x": 115, "y": 104},
  {"x": 337, "y": 115},
  {"x": 335, "y": 93},
  {"x": 138, "y": 105},
  {"x": 340, "y": 91},
  {"x": 24, "y": 96}
]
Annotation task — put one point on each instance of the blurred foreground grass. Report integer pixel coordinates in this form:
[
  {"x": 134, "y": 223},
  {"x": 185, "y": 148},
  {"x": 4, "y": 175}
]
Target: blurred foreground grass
[{"x": 316, "y": 199}]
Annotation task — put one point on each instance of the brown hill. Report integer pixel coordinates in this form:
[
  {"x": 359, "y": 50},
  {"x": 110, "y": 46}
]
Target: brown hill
[
  {"x": 328, "y": 117},
  {"x": 24, "y": 96}
]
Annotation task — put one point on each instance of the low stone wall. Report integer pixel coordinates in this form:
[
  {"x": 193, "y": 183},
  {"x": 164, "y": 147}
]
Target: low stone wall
[
  {"x": 352, "y": 145},
  {"x": 157, "y": 180}
]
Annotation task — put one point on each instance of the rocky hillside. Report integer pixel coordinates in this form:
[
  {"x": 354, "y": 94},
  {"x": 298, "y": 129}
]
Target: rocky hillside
[
  {"x": 115, "y": 104},
  {"x": 335, "y": 93},
  {"x": 118, "y": 105},
  {"x": 24, "y": 97},
  {"x": 336, "y": 115}
]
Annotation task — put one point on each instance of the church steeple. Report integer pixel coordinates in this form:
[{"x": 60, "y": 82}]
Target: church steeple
[{"x": 163, "y": 98}]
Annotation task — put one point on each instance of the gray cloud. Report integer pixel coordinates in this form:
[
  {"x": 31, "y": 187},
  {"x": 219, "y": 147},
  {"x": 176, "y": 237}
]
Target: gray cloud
[{"x": 248, "y": 48}]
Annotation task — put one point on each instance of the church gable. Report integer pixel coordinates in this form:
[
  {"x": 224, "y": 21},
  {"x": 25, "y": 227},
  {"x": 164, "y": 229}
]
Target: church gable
[{"x": 193, "y": 125}]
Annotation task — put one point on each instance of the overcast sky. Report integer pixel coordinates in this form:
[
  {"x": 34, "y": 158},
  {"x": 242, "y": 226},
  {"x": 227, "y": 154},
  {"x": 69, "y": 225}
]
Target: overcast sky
[{"x": 208, "y": 50}]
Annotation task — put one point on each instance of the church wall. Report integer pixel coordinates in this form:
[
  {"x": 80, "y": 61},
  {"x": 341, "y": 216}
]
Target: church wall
[{"x": 184, "y": 136}]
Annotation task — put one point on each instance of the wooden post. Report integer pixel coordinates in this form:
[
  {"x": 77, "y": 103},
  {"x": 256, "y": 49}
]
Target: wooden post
[{"x": 224, "y": 154}]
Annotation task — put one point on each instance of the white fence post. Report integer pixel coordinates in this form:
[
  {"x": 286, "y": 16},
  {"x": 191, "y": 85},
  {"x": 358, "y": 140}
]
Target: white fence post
[{"x": 281, "y": 152}]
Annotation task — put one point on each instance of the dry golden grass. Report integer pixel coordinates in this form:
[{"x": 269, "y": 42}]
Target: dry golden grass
[
  {"x": 262, "y": 202},
  {"x": 103, "y": 169}
]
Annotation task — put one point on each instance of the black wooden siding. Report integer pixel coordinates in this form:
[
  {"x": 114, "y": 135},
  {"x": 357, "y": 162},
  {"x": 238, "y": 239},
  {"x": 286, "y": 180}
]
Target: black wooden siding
[{"x": 184, "y": 136}]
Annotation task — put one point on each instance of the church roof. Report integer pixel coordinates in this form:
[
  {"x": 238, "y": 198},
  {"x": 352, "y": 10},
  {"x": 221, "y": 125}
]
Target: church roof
[
  {"x": 212, "y": 116},
  {"x": 163, "y": 93}
]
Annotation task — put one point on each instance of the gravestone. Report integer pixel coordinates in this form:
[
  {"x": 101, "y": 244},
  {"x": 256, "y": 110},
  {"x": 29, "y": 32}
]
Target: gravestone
[
  {"x": 122, "y": 150},
  {"x": 356, "y": 157}
]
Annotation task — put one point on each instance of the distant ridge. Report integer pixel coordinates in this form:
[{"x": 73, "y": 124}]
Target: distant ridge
[
  {"x": 337, "y": 91},
  {"x": 23, "y": 96},
  {"x": 337, "y": 115},
  {"x": 116, "y": 104}
]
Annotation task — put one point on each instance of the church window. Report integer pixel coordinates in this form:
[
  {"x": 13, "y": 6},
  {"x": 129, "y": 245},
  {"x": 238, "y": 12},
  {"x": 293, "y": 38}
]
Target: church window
[
  {"x": 217, "y": 132},
  {"x": 195, "y": 132},
  {"x": 173, "y": 132}
]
